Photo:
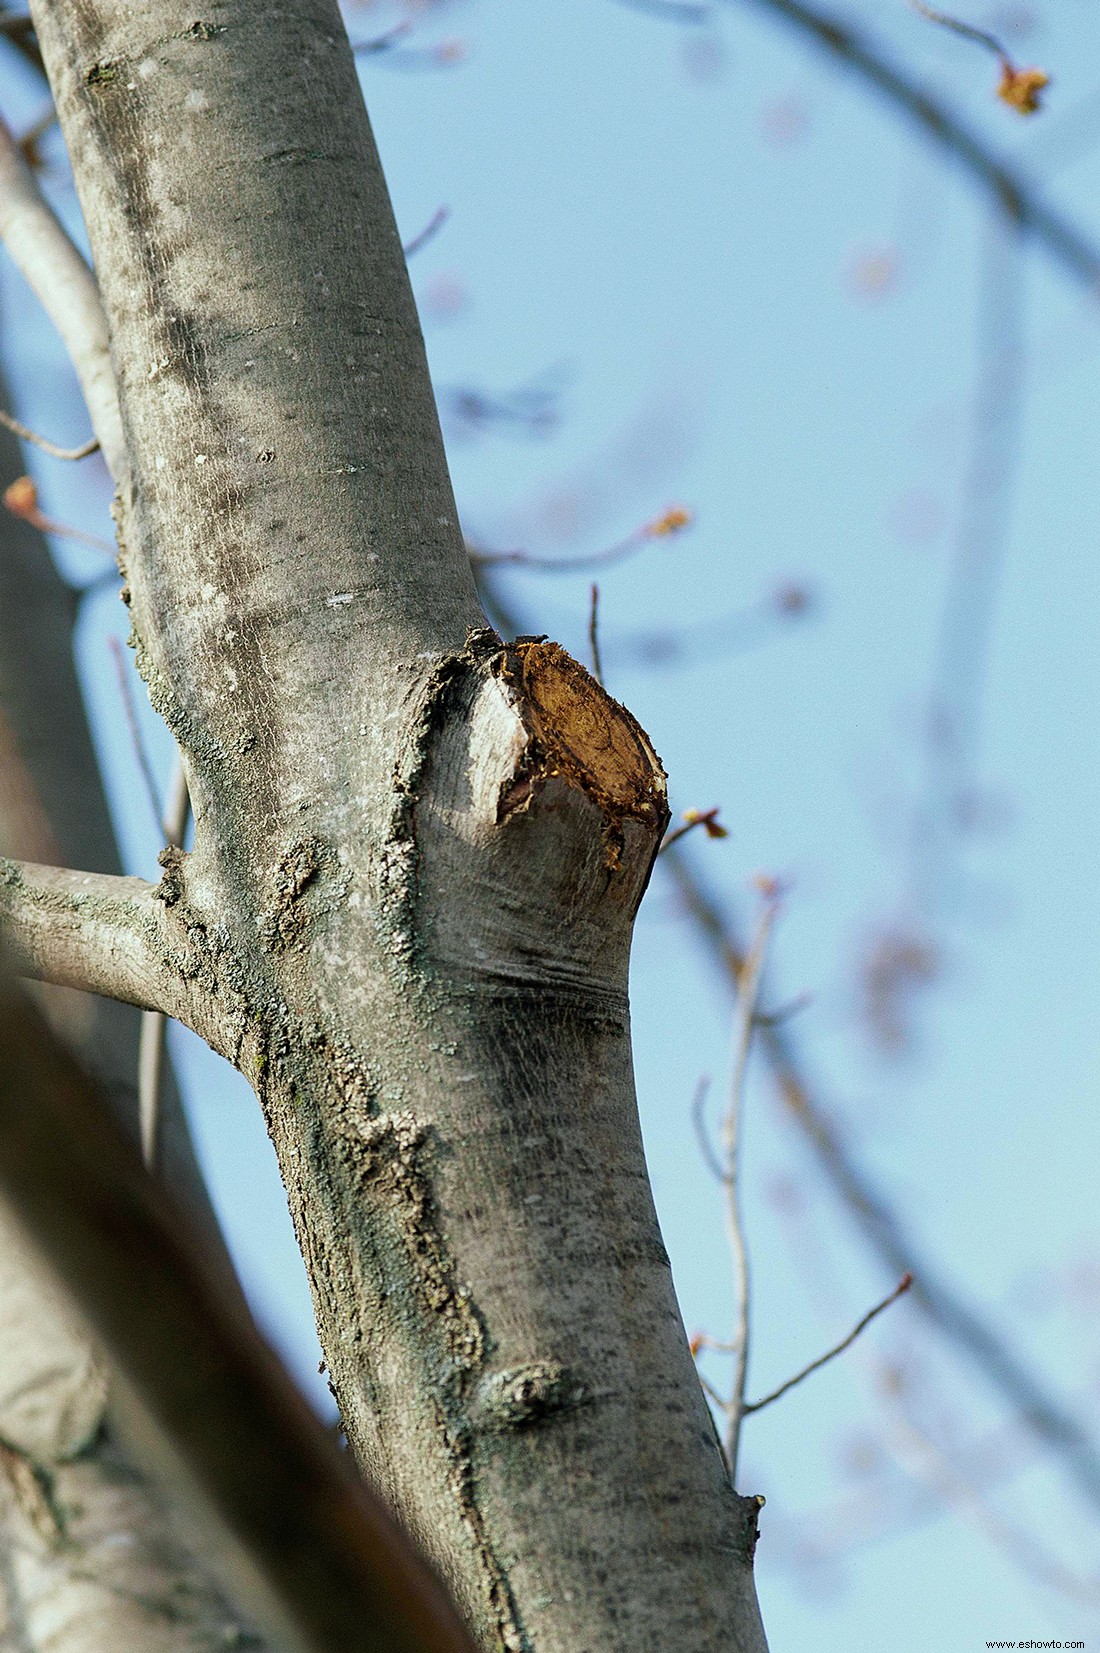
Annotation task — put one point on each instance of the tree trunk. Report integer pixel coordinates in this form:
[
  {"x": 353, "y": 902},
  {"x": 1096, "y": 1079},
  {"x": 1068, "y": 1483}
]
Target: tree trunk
[{"x": 418, "y": 853}]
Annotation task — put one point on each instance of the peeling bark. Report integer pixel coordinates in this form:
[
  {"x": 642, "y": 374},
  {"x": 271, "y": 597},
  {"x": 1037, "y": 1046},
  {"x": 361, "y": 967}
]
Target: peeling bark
[{"x": 418, "y": 853}]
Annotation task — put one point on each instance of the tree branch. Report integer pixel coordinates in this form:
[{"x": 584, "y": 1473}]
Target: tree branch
[
  {"x": 67, "y": 290},
  {"x": 1011, "y": 189},
  {"x": 93, "y": 931}
]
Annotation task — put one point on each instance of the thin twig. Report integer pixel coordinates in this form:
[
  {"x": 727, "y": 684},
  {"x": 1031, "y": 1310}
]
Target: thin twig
[
  {"x": 670, "y": 522},
  {"x": 1050, "y": 1420},
  {"x": 594, "y": 636},
  {"x": 966, "y": 30},
  {"x": 692, "y": 818},
  {"x": 1012, "y": 191},
  {"x": 66, "y": 288},
  {"x": 823, "y": 1360},
  {"x": 21, "y": 499},
  {"x": 43, "y": 442},
  {"x": 708, "y": 1389},
  {"x": 384, "y": 42},
  {"x": 699, "y": 1126},
  {"x": 793, "y": 1007},
  {"x": 154, "y": 1022},
  {"x": 34, "y": 134},
  {"x": 431, "y": 229},
  {"x": 748, "y": 991}
]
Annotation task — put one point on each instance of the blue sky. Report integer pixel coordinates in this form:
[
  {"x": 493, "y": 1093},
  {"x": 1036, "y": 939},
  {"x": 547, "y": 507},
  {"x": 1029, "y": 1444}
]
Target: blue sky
[{"x": 748, "y": 288}]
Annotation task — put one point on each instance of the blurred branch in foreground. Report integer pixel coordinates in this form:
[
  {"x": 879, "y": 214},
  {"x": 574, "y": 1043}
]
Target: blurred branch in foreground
[{"x": 205, "y": 1401}]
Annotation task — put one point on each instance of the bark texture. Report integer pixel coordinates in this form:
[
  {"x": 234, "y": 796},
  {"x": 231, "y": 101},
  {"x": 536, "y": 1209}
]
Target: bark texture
[{"x": 418, "y": 852}]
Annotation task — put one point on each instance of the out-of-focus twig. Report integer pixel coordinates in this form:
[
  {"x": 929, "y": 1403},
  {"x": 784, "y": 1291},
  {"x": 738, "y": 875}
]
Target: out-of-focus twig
[
  {"x": 21, "y": 499},
  {"x": 207, "y": 1403},
  {"x": 929, "y": 1463},
  {"x": 1012, "y": 190},
  {"x": 692, "y": 818},
  {"x": 960, "y": 667},
  {"x": 428, "y": 233},
  {"x": 19, "y": 29}
]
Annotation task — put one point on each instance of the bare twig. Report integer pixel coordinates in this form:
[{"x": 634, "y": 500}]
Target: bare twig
[
  {"x": 154, "y": 1022},
  {"x": 428, "y": 233},
  {"x": 28, "y": 435},
  {"x": 206, "y": 1403},
  {"x": 384, "y": 42},
  {"x": 672, "y": 521},
  {"x": 721, "y": 635},
  {"x": 594, "y": 636},
  {"x": 699, "y": 1126},
  {"x": 838, "y": 1349},
  {"x": 692, "y": 818},
  {"x": 66, "y": 288},
  {"x": 748, "y": 992},
  {"x": 966, "y": 30},
  {"x": 960, "y": 667},
  {"x": 1012, "y": 191},
  {"x": 881, "y": 1226}
]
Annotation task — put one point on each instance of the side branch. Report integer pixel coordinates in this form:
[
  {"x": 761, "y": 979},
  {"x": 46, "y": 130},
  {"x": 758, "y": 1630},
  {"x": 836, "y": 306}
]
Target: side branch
[
  {"x": 67, "y": 290},
  {"x": 93, "y": 931}
]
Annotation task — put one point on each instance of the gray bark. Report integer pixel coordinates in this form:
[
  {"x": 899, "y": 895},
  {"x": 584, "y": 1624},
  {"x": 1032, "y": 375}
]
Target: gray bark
[{"x": 418, "y": 852}]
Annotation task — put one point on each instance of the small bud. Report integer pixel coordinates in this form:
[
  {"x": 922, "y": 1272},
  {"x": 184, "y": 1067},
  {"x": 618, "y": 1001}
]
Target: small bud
[
  {"x": 708, "y": 820},
  {"x": 670, "y": 522},
  {"x": 21, "y": 498},
  {"x": 1020, "y": 88}
]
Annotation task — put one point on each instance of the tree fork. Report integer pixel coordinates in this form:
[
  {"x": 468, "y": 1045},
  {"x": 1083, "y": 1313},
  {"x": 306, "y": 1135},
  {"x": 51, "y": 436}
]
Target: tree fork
[{"x": 418, "y": 854}]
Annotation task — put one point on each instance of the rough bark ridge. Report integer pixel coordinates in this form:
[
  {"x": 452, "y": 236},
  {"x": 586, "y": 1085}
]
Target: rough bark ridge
[{"x": 418, "y": 852}]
